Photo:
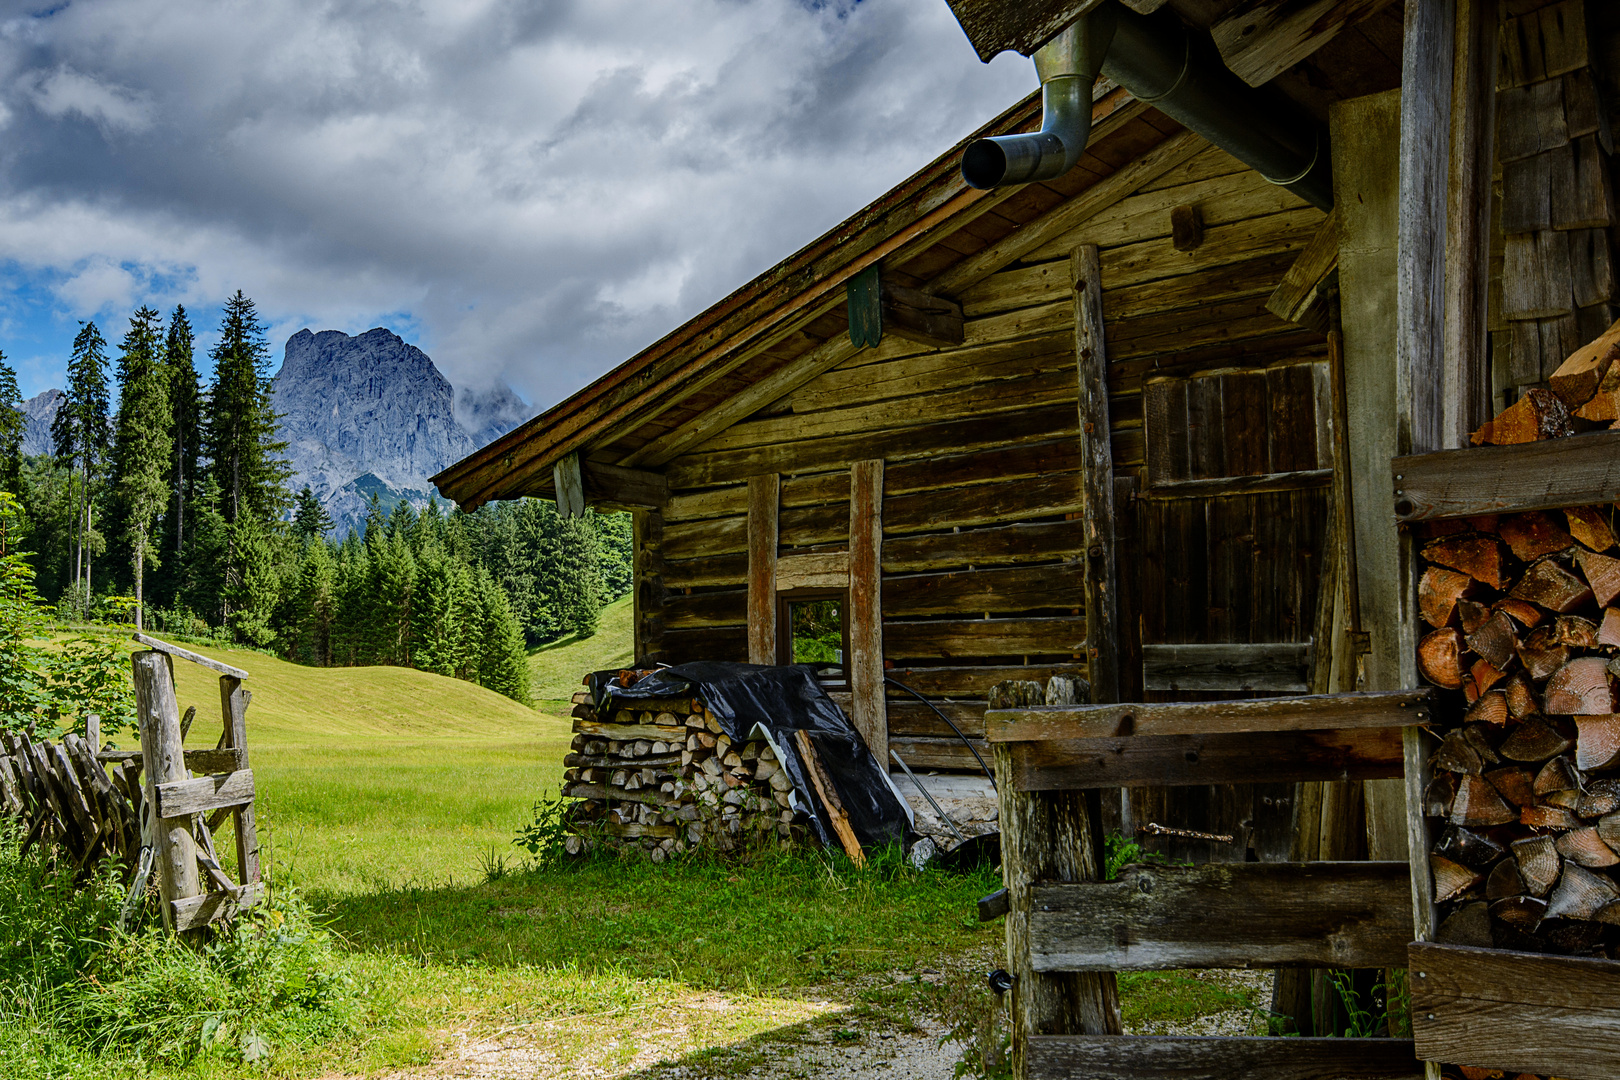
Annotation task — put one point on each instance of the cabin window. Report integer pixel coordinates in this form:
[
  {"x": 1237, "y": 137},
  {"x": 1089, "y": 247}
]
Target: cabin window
[
  {"x": 814, "y": 629},
  {"x": 1222, "y": 424}
]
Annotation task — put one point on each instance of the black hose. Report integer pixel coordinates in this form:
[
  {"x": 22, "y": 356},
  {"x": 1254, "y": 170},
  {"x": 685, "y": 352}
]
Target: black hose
[{"x": 892, "y": 681}]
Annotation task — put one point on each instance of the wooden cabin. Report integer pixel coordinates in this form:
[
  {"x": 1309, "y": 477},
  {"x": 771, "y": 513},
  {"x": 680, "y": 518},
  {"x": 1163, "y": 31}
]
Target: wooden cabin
[{"x": 1164, "y": 424}]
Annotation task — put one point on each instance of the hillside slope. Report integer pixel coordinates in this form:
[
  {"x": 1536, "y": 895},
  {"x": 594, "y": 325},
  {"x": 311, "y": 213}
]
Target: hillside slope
[{"x": 555, "y": 670}]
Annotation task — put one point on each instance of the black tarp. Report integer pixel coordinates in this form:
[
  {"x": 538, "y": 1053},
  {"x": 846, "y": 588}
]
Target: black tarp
[{"x": 754, "y": 701}]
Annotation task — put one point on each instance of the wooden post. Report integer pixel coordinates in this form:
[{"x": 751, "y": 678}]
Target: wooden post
[
  {"x": 1047, "y": 837},
  {"x": 233, "y": 700},
  {"x": 648, "y": 527},
  {"x": 764, "y": 498},
  {"x": 163, "y": 760},
  {"x": 1097, "y": 475},
  {"x": 865, "y": 662},
  {"x": 570, "y": 487},
  {"x": 1426, "y": 79},
  {"x": 1466, "y": 397}
]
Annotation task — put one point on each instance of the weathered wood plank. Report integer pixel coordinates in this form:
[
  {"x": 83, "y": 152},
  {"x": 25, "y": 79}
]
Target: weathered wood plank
[
  {"x": 1218, "y": 487},
  {"x": 1182, "y": 760},
  {"x": 648, "y": 537},
  {"x": 1520, "y": 1012},
  {"x": 945, "y": 753},
  {"x": 866, "y": 605},
  {"x": 973, "y": 681},
  {"x": 1226, "y": 915},
  {"x": 1100, "y": 591},
  {"x": 996, "y": 27},
  {"x": 1005, "y": 590},
  {"x": 568, "y": 486},
  {"x": 1375, "y": 709},
  {"x": 198, "y": 761},
  {"x": 187, "y": 654},
  {"x": 164, "y": 762},
  {"x": 199, "y": 911},
  {"x": 947, "y": 638},
  {"x": 1250, "y": 667},
  {"x": 764, "y": 500},
  {"x": 1040, "y": 542},
  {"x": 1260, "y": 39},
  {"x": 1508, "y": 479},
  {"x": 621, "y": 487},
  {"x": 178, "y": 798},
  {"x": 1171, "y": 1057},
  {"x": 828, "y": 570},
  {"x": 650, "y": 732},
  {"x": 911, "y": 718},
  {"x": 1300, "y": 286}
]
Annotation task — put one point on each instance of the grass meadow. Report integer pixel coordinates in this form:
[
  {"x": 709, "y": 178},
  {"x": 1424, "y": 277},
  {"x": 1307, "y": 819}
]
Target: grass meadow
[{"x": 388, "y": 800}]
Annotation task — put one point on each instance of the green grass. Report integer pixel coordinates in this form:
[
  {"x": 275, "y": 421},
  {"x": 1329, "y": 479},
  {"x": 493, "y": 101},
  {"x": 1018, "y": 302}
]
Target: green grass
[{"x": 555, "y": 670}]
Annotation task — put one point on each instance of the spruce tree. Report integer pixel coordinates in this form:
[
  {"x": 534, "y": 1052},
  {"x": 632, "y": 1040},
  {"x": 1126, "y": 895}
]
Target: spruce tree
[
  {"x": 252, "y": 582},
  {"x": 186, "y": 426},
  {"x": 80, "y": 435},
  {"x": 444, "y": 623},
  {"x": 13, "y": 423},
  {"x": 310, "y": 519},
  {"x": 502, "y": 663},
  {"x": 308, "y": 639},
  {"x": 393, "y": 588},
  {"x": 351, "y": 622},
  {"x": 141, "y": 446},
  {"x": 240, "y": 437}
]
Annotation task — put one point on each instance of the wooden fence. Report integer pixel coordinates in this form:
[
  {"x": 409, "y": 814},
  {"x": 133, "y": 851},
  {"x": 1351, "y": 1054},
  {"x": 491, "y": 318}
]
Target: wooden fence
[{"x": 156, "y": 808}]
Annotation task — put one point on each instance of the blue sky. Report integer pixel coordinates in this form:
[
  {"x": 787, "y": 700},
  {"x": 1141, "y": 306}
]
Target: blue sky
[{"x": 528, "y": 191}]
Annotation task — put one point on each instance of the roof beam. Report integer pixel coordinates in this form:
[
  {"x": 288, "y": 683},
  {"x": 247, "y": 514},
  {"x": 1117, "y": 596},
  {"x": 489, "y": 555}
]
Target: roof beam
[
  {"x": 994, "y": 26},
  {"x": 1260, "y": 39}
]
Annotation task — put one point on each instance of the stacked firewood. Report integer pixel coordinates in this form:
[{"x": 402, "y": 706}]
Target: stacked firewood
[
  {"x": 1523, "y": 623},
  {"x": 661, "y": 776}
]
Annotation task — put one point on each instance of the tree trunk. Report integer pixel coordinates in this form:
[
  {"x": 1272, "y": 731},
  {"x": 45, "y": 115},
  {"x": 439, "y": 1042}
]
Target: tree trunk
[{"x": 140, "y": 567}]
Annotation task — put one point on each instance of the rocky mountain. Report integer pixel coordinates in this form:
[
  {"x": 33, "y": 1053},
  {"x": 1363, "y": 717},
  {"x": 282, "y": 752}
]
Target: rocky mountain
[
  {"x": 39, "y": 412},
  {"x": 371, "y": 413}
]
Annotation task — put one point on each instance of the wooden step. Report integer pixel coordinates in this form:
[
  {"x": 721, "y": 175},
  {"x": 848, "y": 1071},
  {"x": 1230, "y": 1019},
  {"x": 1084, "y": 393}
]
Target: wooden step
[{"x": 1226, "y": 915}]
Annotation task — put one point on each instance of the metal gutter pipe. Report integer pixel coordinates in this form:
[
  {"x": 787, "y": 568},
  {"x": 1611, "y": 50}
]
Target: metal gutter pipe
[
  {"x": 1068, "y": 66},
  {"x": 1161, "y": 63}
]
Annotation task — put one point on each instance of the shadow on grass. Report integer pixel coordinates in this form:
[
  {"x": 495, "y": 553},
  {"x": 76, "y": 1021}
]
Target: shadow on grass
[{"x": 773, "y": 921}]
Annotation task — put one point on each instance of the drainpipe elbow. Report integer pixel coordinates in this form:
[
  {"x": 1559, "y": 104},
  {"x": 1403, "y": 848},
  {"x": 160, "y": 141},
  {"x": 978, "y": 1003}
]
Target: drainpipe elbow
[{"x": 1068, "y": 67}]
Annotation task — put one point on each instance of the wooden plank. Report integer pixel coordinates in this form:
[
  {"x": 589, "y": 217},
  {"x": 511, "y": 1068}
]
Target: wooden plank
[
  {"x": 921, "y": 317},
  {"x": 827, "y": 570},
  {"x": 1097, "y": 521},
  {"x": 1376, "y": 709},
  {"x": 1520, "y": 1012},
  {"x": 986, "y": 504},
  {"x": 1184, "y": 760},
  {"x": 179, "y": 798},
  {"x": 943, "y": 753},
  {"x": 1226, "y": 915},
  {"x": 909, "y": 717},
  {"x": 1260, "y": 39},
  {"x": 995, "y": 27},
  {"x": 1571, "y": 471},
  {"x": 1218, "y": 487},
  {"x": 164, "y": 762},
  {"x": 1175, "y": 151},
  {"x": 569, "y": 486},
  {"x": 764, "y": 500},
  {"x": 198, "y": 761},
  {"x": 1045, "y": 541},
  {"x": 1248, "y": 667},
  {"x": 973, "y": 681},
  {"x": 624, "y": 488},
  {"x": 187, "y": 654},
  {"x": 948, "y": 638},
  {"x": 1465, "y": 393},
  {"x": 647, "y": 527},
  {"x": 627, "y": 732},
  {"x": 196, "y": 912},
  {"x": 1174, "y": 1057},
  {"x": 1301, "y": 284},
  {"x": 234, "y": 700},
  {"x": 1004, "y": 590},
  {"x": 866, "y": 590}
]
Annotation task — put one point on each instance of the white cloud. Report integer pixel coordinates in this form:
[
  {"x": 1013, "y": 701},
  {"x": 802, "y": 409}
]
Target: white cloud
[{"x": 543, "y": 188}]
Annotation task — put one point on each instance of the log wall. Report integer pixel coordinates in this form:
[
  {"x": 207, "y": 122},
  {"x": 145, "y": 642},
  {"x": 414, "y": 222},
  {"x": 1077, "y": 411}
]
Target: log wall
[{"x": 981, "y": 572}]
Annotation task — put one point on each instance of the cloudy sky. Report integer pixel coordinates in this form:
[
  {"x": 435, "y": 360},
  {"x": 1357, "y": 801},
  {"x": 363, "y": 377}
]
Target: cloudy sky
[{"x": 528, "y": 189}]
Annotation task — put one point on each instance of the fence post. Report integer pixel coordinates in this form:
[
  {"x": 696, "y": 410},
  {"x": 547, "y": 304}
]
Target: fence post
[{"x": 164, "y": 760}]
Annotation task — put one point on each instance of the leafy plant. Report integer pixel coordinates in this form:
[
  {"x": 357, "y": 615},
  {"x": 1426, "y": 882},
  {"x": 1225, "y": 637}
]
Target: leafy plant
[
  {"x": 1120, "y": 851},
  {"x": 22, "y": 690},
  {"x": 91, "y": 675},
  {"x": 975, "y": 1019},
  {"x": 545, "y": 836}
]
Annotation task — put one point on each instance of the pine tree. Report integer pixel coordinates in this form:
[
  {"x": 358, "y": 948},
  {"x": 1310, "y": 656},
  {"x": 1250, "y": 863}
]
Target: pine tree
[
  {"x": 579, "y": 580},
  {"x": 240, "y": 438},
  {"x": 252, "y": 582},
  {"x": 140, "y": 454},
  {"x": 502, "y": 663},
  {"x": 186, "y": 426},
  {"x": 310, "y": 519},
  {"x": 308, "y": 639},
  {"x": 80, "y": 434},
  {"x": 393, "y": 588},
  {"x": 351, "y": 623},
  {"x": 13, "y": 423},
  {"x": 444, "y": 623}
]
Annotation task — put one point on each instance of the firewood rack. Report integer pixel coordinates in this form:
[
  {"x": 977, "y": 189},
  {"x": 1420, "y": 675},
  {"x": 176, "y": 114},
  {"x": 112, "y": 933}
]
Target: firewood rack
[
  {"x": 1498, "y": 1008},
  {"x": 1067, "y": 930}
]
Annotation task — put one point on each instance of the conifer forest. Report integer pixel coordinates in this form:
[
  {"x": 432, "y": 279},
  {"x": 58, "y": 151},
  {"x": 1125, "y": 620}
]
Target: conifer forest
[{"x": 165, "y": 502}]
